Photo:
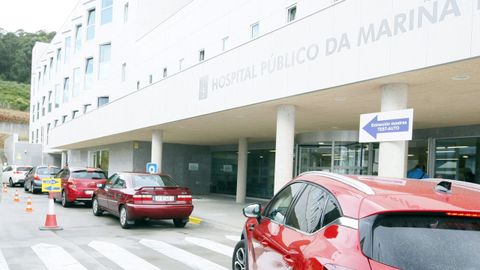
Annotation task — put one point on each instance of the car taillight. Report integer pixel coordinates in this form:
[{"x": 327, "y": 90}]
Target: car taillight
[
  {"x": 36, "y": 177},
  {"x": 462, "y": 214},
  {"x": 184, "y": 198},
  {"x": 139, "y": 199}
]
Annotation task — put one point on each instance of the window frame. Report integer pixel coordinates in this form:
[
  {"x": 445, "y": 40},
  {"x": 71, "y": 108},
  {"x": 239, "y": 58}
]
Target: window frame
[
  {"x": 289, "y": 8},
  {"x": 273, "y": 200}
]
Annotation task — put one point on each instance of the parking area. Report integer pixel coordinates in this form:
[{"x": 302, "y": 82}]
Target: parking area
[{"x": 90, "y": 242}]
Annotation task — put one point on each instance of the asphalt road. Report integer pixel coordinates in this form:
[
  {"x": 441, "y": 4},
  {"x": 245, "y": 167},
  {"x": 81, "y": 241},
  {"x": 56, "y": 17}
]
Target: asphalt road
[{"x": 90, "y": 242}]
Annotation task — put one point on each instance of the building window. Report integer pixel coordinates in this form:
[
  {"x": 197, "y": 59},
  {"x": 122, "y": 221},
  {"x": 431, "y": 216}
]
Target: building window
[
  {"x": 76, "y": 82},
  {"x": 91, "y": 24},
  {"x": 74, "y": 114},
  {"x": 104, "y": 61},
  {"x": 125, "y": 12},
  {"x": 67, "y": 50},
  {"x": 102, "y": 101},
  {"x": 66, "y": 95},
  {"x": 107, "y": 10},
  {"x": 43, "y": 106},
  {"x": 86, "y": 108},
  {"x": 57, "y": 96},
  {"x": 44, "y": 74},
  {"x": 88, "y": 73},
  {"x": 201, "y": 55},
  {"x": 150, "y": 79},
  {"x": 138, "y": 85},
  {"x": 255, "y": 30},
  {"x": 224, "y": 43},
  {"x": 38, "y": 110},
  {"x": 291, "y": 13},
  {"x": 33, "y": 113},
  {"x": 59, "y": 60},
  {"x": 55, "y": 123},
  {"x": 33, "y": 136},
  {"x": 50, "y": 68},
  {"x": 124, "y": 72},
  {"x": 165, "y": 72},
  {"x": 36, "y": 135},
  {"x": 49, "y": 101},
  {"x": 78, "y": 38},
  {"x": 48, "y": 130},
  {"x": 64, "y": 119}
]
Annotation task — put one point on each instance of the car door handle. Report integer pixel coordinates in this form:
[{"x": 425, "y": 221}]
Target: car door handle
[{"x": 291, "y": 257}]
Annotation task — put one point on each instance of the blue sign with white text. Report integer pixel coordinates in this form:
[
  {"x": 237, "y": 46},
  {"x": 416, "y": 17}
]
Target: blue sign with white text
[{"x": 374, "y": 127}]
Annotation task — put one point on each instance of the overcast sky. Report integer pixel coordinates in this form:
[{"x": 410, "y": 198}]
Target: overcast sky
[{"x": 34, "y": 15}]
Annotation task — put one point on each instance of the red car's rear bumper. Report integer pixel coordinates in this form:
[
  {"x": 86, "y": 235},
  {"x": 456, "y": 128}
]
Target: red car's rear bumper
[{"x": 138, "y": 211}]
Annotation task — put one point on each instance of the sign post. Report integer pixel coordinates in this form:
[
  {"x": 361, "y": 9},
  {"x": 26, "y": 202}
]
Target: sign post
[
  {"x": 386, "y": 126},
  {"x": 51, "y": 185}
]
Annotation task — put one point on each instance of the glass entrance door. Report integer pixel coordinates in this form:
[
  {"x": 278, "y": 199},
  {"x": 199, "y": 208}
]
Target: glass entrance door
[{"x": 314, "y": 158}]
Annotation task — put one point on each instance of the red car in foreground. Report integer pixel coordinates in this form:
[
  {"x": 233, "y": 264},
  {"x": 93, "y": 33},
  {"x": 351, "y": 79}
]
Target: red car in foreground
[
  {"x": 136, "y": 196},
  {"x": 78, "y": 184},
  {"x": 328, "y": 221}
]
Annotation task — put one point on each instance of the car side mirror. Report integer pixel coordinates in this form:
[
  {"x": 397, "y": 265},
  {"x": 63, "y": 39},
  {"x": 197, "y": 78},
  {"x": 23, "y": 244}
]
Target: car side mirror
[{"x": 252, "y": 211}]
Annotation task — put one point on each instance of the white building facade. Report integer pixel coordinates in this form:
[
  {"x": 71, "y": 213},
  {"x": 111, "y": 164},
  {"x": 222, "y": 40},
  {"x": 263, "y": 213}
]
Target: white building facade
[{"x": 237, "y": 97}]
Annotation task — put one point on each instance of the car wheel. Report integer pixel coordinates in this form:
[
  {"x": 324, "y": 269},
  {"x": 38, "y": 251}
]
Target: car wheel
[
  {"x": 180, "y": 222},
  {"x": 25, "y": 187},
  {"x": 65, "y": 203},
  {"x": 96, "y": 208},
  {"x": 124, "y": 221},
  {"x": 239, "y": 259},
  {"x": 10, "y": 182}
]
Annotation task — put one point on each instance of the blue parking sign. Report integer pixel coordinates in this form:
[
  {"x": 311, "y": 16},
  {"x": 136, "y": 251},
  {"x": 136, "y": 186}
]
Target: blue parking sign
[{"x": 152, "y": 167}]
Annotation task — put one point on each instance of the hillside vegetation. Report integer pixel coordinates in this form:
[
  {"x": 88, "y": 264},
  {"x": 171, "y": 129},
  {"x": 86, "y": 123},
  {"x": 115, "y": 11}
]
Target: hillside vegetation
[{"x": 14, "y": 95}]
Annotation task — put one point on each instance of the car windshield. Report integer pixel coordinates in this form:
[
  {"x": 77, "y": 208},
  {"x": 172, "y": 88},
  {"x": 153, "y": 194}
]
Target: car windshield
[
  {"x": 24, "y": 169},
  {"x": 47, "y": 170},
  {"x": 153, "y": 180},
  {"x": 422, "y": 241},
  {"x": 83, "y": 174}
]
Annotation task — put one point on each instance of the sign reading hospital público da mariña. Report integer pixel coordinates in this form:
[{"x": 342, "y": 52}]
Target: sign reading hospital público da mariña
[
  {"x": 51, "y": 184},
  {"x": 386, "y": 126}
]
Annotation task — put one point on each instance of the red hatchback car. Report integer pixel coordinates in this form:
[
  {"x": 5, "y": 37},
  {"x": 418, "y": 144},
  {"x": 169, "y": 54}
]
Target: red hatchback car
[
  {"x": 136, "y": 196},
  {"x": 78, "y": 184},
  {"x": 328, "y": 221}
]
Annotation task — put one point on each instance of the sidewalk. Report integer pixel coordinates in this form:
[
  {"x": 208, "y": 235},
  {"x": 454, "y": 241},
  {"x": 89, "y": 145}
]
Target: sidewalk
[{"x": 222, "y": 211}]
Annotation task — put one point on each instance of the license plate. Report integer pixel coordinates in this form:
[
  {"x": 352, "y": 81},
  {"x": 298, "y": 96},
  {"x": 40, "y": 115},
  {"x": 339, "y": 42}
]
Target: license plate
[
  {"x": 89, "y": 192},
  {"x": 162, "y": 198}
]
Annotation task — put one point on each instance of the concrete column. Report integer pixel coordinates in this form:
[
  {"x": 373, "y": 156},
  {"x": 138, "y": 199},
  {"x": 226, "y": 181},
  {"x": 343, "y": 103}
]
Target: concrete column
[
  {"x": 242, "y": 170},
  {"x": 392, "y": 160},
  {"x": 64, "y": 160},
  {"x": 157, "y": 145},
  {"x": 284, "y": 145}
]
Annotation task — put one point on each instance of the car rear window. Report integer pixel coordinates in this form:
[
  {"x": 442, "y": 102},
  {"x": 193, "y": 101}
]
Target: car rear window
[
  {"x": 422, "y": 241},
  {"x": 47, "y": 171},
  {"x": 83, "y": 174},
  {"x": 23, "y": 169},
  {"x": 153, "y": 180}
]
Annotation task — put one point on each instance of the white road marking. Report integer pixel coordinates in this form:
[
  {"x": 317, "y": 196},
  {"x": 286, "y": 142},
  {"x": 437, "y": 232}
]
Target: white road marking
[
  {"x": 213, "y": 246},
  {"x": 56, "y": 258},
  {"x": 192, "y": 260},
  {"x": 121, "y": 257},
  {"x": 3, "y": 262},
  {"x": 235, "y": 238}
]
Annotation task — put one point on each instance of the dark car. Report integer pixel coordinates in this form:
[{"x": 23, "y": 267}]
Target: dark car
[
  {"x": 137, "y": 196},
  {"x": 79, "y": 184},
  {"x": 330, "y": 221},
  {"x": 33, "y": 179}
]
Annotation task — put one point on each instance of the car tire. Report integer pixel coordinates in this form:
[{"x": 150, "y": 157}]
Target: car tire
[
  {"x": 96, "y": 208},
  {"x": 25, "y": 187},
  {"x": 64, "y": 201},
  {"x": 180, "y": 222},
  {"x": 123, "y": 216},
  {"x": 239, "y": 258}
]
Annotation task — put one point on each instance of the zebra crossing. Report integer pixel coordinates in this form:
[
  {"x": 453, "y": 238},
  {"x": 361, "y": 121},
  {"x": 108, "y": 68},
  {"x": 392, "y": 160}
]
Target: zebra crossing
[{"x": 191, "y": 253}]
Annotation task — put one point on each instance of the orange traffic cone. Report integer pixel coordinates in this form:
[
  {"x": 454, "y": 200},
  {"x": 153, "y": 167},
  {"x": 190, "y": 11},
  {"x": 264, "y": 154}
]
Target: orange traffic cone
[
  {"x": 16, "y": 198},
  {"x": 51, "y": 220},
  {"x": 29, "y": 208},
  {"x": 5, "y": 189}
]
